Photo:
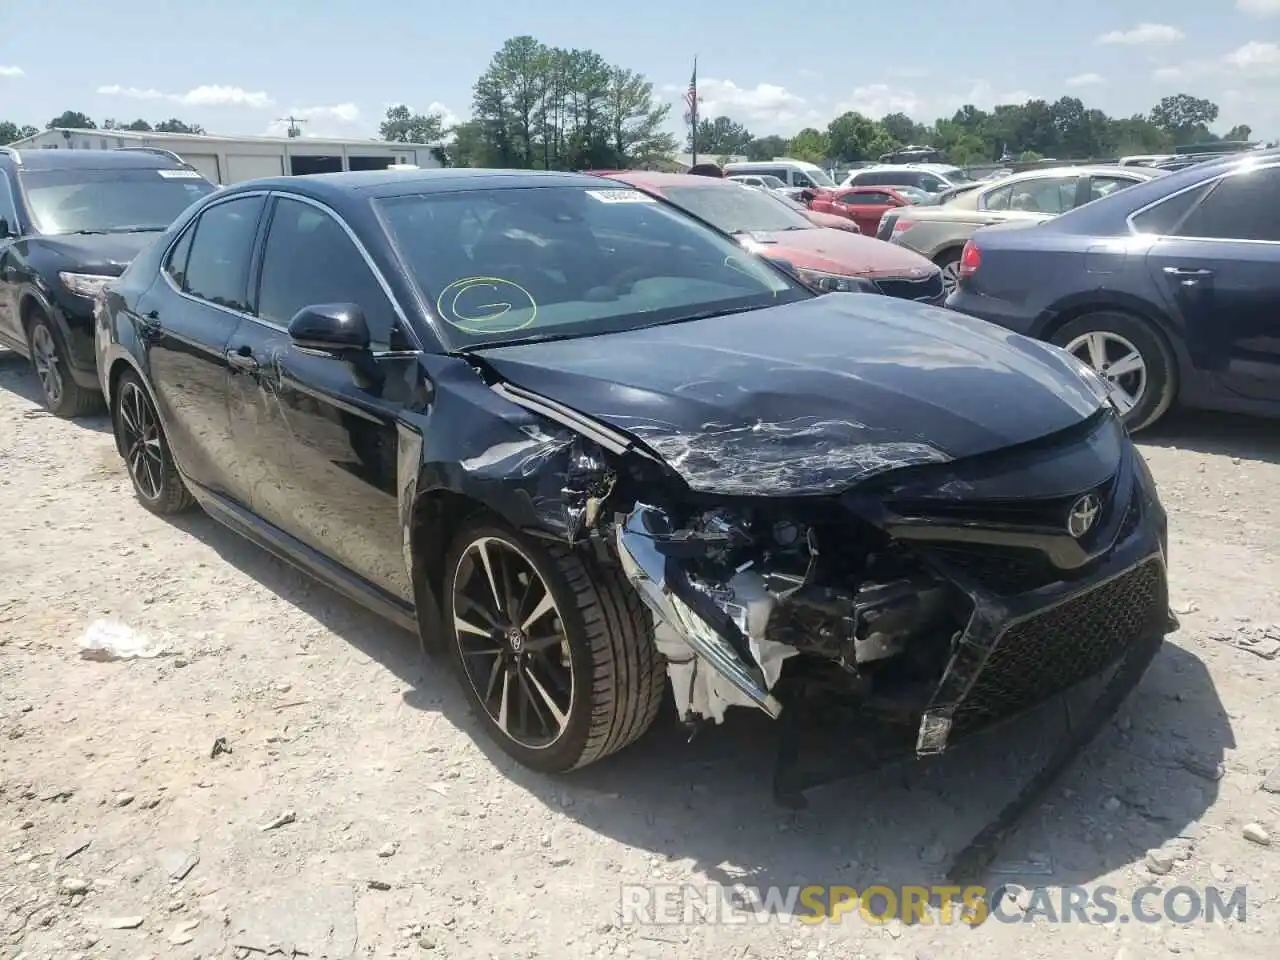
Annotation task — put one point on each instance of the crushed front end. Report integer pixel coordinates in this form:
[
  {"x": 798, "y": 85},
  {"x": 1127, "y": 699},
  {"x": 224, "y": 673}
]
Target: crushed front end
[{"x": 927, "y": 602}]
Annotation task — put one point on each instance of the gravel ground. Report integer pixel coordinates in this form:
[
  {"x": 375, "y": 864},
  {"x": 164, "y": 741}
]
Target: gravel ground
[{"x": 123, "y": 836}]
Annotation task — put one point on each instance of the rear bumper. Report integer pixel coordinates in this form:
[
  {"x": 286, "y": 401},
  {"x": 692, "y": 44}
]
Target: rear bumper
[{"x": 1002, "y": 313}]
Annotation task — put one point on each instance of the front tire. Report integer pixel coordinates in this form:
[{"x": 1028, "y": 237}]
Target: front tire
[
  {"x": 62, "y": 395},
  {"x": 1131, "y": 355},
  {"x": 141, "y": 441},
  {"x": 554, "y": 649}
]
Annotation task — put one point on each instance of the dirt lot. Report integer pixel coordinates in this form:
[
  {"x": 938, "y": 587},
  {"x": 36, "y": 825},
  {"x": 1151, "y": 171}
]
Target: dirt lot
[{"x": 122, "y": 837}]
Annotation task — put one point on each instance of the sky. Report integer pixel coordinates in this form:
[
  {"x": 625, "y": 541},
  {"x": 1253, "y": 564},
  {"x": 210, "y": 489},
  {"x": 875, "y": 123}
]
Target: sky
[{"x": 236, "y": 67}]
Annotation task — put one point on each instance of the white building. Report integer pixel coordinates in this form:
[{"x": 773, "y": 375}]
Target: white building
[{"x": 228, "y": 160}]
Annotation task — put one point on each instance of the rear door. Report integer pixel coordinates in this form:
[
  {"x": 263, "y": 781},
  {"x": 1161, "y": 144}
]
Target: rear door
[
  {"x": 187, "y": 320},
  {"x": 1218, "y": 267},
  {"x": 320, "y": 441}
]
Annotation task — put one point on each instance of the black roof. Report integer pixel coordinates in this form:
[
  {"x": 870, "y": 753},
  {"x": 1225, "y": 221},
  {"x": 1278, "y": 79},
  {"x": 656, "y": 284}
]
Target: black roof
[
  {"x": 91, "y": 159},
  {"x": 391, "y": 183}
]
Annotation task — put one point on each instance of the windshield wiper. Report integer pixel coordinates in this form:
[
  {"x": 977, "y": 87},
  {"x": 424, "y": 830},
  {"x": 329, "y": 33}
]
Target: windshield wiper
[{"x": 138, "y": 228}]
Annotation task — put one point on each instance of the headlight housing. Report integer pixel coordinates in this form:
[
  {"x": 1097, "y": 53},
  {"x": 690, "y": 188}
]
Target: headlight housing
[
  {"x": 87, "y": 285},
  {"x": 837, "y": 283}
]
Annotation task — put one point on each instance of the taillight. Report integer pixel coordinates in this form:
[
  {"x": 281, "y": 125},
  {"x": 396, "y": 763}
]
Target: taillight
[{"x": 970, "y": 260}]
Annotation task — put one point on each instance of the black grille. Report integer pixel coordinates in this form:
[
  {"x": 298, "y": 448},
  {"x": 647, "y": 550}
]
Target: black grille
[
  {"x": 1052, "y": 652},
  {"x": 1005, "y": 570},
  {"x": 928, "y": 287}
]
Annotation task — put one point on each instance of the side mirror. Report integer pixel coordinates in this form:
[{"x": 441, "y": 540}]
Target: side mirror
[
  {"x": 336, "y": 330},
  {"x": 6, "y": 231}
]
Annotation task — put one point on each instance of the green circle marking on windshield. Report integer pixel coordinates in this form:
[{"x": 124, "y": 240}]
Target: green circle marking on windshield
[{"x": 487, "y": 305}]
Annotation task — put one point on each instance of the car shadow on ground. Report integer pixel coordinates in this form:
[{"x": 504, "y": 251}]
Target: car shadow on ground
[
  {"x": 1225, "y": 434},
  {"x": 708, "y": 803},
  {"x": 18, "y": 378}
]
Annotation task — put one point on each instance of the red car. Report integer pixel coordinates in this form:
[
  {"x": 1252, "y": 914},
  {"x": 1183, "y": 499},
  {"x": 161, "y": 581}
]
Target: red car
[
  {"x": 828, "y": 259},
  {"x": 863, "y": 205}
]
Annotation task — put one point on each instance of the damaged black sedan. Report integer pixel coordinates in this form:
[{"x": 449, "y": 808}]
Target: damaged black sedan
[{"x": 586, "y": 444}]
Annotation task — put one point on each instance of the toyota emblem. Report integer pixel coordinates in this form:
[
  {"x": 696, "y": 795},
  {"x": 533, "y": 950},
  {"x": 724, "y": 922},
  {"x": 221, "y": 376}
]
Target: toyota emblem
[{"x": 1083, "y": 514}]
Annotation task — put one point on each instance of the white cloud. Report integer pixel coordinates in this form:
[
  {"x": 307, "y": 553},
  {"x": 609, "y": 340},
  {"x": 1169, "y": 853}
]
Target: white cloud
[
  {"x": 766, "y": 106},
  {"x": 10, "y": 71},
  {"x": 1255, "y": 59},
  {"x": 1169, "y": 73},
  {"x": 209, "y": 95},
  {"x": 1144, "y": 34},
  {"x": 1259, "y": 8},
  {"x": 875, "y": 100},
  {"x": 1086, "y": 80}
]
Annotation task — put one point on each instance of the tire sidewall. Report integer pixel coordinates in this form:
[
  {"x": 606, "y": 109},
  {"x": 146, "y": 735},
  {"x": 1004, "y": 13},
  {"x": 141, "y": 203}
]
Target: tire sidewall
[
  {"x": 167, "y": 466},
  {"x": 1156, "y": 355},
  {"x": 564, "y": 754},
  {"x": 39, "y": 319},
  {"x": 944, "y": 260}
]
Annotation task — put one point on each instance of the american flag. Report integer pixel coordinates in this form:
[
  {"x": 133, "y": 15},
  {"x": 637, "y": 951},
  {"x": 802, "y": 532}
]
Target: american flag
[{"x": 691, "y": 95}]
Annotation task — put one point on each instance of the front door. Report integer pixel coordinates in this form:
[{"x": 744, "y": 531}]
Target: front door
[
  {"x": 1219, "y": 270},
  {"x": 322, "y": 440},
  {"x": 187, "y": 319},
  {"x": 10, "y": 322}
]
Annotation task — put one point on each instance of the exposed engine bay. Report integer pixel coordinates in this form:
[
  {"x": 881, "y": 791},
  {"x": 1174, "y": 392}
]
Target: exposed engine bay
[{"x": 754, "y": 587}]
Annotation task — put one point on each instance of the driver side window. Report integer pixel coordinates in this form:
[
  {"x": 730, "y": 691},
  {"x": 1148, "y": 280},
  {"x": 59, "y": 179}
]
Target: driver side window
[
  {"x": 308, "y": 259},
  {"x": 8, "y": 212},
  {"x": 800, "y": 180}
]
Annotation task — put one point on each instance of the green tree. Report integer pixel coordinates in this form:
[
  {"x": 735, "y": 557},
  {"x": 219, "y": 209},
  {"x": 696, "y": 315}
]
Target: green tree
[
  {"x": 1241, "y": 131},
  {"x": 810, "y": 145},
  {"x": 404, "y": 126},
  {"x": 174, "y": 125},
  {"x": 766, "y": 148},
  {"x": 902, "y": 129},
  {"x": 851, "y": 136},
  {"x": 721, "y": 136},
  {"x": 10, "y": 132},
  {"x": 1185, "y": 117},
  {"x": 72, "y": 119},
  {"x": 544, "y": 107}
]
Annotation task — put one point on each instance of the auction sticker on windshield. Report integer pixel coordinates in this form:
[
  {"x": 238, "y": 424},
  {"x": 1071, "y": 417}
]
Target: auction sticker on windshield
[
  {"x": 620, "y": 196},
  {"x": 180, "y": 174}
]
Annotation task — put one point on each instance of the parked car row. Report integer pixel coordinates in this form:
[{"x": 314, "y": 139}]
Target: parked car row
[{"x": 590, "y": 433}]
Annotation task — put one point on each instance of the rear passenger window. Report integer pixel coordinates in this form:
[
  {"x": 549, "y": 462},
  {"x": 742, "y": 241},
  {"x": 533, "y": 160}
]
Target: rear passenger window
[
  {"x": 1163, "y": 218},
  {"x": 218, "y": 262},
  {"x": 1242, "y": 206}
]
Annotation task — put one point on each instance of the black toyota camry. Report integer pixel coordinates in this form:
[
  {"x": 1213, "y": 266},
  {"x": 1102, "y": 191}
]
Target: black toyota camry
[{"x": 584, "y": 443}]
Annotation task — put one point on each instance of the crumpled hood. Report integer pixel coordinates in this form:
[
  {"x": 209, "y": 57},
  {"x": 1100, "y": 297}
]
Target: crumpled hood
[
  {"x": 105, "y": 254},
  {"x": 809, "y": 397},
  {"x": 838, "y": 251}
]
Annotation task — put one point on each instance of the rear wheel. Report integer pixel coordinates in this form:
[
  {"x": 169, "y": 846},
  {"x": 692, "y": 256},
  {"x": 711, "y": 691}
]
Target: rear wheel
[
  {"x": 62, "y": 395},
  {"x": 142, "y": 443},
  {"x": 949, "y": 264},
  {"x": 1132, "y": 356},
  {"x": 554, "y": 650}
]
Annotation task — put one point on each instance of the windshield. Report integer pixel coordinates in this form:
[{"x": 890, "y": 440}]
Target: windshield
[
  {"x": 818, "y": 176},
  {"x": 500, "y": 266},
  {"x": 956, "y": 175},
  {"x": 736, "y": 209},
  {"x": 110, "y": 201}
]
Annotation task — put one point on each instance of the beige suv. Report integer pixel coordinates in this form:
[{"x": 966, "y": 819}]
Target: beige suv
[{"x": 940, "y": 232}]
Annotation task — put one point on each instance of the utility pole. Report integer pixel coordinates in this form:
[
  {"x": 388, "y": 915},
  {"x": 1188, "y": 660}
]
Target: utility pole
[{"x": 294, "y": 129}]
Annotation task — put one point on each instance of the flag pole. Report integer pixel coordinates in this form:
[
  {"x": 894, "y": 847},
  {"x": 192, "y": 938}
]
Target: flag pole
[{"x": 693, "y": 112}]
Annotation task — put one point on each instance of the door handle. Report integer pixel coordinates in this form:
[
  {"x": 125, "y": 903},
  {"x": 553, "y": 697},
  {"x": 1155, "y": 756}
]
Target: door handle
[
  {"x": 1187, "y": 272},
  {"x": 242, "y": 359}
]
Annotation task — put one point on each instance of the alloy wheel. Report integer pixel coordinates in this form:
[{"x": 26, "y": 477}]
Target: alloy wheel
[
  {"x": 44, "y": 356},
  {"x": 512, "y": 642},
  {"x": 1117, "y": 361},
  {"x": 950, "y": 277},
  {"x": 140, "y": 440}
]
